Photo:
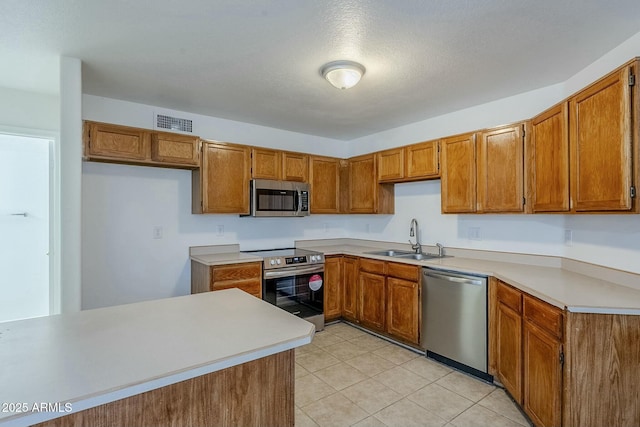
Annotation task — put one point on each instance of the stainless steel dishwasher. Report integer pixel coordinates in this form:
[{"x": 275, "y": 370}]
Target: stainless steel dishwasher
[{"x": 454, "y": 320}]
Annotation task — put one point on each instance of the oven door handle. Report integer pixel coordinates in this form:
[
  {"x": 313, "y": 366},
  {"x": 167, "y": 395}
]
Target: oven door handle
[{"x": 293, "y": 272}]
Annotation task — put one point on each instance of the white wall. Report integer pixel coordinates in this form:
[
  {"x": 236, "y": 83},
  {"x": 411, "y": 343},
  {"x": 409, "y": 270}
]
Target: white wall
[
  {"x": 29, "y": 110},
  {"x": 69, "y": 176},
  {"x": 121, "y": 205},
  {"x": 539, "y": 234}
]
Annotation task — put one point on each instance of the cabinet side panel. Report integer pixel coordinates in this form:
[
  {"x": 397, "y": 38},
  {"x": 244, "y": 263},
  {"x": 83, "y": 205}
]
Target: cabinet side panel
[
  {"x": 602, "y": 371},
  {"x": 256, "y": 393}
]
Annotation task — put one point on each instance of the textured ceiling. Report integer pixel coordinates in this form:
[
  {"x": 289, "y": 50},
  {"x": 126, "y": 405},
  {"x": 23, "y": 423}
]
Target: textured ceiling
[{"x": 258, "y": 61}]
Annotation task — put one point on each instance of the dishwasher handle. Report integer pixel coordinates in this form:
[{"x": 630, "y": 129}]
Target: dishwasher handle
[{"x": 454, "y": 278}]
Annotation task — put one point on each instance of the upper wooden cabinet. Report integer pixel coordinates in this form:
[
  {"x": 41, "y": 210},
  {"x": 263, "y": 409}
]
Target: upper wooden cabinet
[
  {"x": 279, "y": 165},
  {"x": 266, "y": 164},
  {"x": 122, "y": 144},
  {"x": 295, "y": 167},
  {"x": 409, "y": 163},
  {"x": 365, "y": 194},
  {"x": 458, "y": 174},
  {"x": 221, "y": 185},
  {"x": 548, "y": 160},
  {"x": 604, "y": 143},
  {"x": 324, "y": 185},
  {"x": 422, "y": 161},
  {"x": 391, "y": 165},
  {"x": 500, "y": 168}
]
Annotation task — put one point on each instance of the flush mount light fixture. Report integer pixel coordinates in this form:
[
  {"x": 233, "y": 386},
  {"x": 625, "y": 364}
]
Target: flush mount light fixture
[{"x": 343, "y": 74}]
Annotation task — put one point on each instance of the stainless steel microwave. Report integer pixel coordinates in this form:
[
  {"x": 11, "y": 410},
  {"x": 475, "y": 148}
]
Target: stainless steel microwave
[{"x": 279, "y": 198}]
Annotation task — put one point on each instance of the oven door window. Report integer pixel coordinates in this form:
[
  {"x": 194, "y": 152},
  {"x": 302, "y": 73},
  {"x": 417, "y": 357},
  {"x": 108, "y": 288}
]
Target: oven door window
[
  {"x": 276, "y": 200},
  {"x": 296, "y": 294}
]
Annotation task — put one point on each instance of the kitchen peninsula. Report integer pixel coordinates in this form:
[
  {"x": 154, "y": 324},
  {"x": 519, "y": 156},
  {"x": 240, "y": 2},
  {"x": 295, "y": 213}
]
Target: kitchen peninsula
[{"x": 216, "y": 358}]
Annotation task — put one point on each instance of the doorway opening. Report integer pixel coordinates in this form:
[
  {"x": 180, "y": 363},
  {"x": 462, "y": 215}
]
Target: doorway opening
[{"x": 25, "y": 226}]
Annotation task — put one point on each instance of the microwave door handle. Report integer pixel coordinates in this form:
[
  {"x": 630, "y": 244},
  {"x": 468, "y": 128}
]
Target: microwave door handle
[{"x": 298, "y": 192}]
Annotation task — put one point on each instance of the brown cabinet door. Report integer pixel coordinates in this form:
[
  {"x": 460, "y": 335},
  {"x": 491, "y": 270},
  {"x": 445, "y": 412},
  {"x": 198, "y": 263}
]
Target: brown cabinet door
[
  {"x": 500, "y": 165},
  {"x": 295, "y": 167},
  {"x": 362, "y": 184},
  {"x": 403, "y": 309},
  {"x": 324, "y": 185},
  {"x": 459, "y": 174},
  {"x": 542, "y": 376},
  {"x": 548, "y": 160},
  {"x": 266, "y": 164},
  {"x": 391, "y": 165},
  {"x": 116, "y": 142},
  {"x": 601, "y": 145},
  {"x": 373, "y": 297},
  {"x": 350, "y": 288},
  {"x": 245, "y": 276},
  {"x": 225, "y": 178},
  {"x": 332, "y": 287},
  {"x": 509, "y": 349},
  {"x": 422, "y": 160},
  {"x": 175, "y": 149}
]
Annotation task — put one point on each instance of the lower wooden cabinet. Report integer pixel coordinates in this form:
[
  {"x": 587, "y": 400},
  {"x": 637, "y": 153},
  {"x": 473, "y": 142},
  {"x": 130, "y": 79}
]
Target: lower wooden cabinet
[
  {"x": 528, "y": 352},
  {"x": 350, "y": 288},
  {"x": 381, "y": 296},
  {"x": 373, "y": 300},
  {"x": 509, "y": 339},
  {"x": 404, "y": 296},
  {"x": 245, "y": 276},
  {"x": 403, "y": 309},
  {"x": 333, "y": 268}
]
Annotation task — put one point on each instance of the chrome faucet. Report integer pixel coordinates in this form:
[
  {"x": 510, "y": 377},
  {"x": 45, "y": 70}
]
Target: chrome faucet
[
  {"x": 413, "y": 231},
  {"x": 440, "y": 250}
]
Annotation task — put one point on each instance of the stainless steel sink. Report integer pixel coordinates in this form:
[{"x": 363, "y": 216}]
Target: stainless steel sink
[
  {"x": 418, "y": 256},
  {"x": 391, "y": 252}
]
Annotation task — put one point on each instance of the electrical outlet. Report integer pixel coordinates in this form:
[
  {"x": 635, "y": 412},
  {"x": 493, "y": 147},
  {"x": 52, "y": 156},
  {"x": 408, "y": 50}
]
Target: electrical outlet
[
  {"x": 326, "y": 227},
  {"x": 220, "y": 232},
  {"x": 568, "y": 237},
  {"x": 473, "y": 233},
  {"x": 157, "y": 232},
  {"x": 367, "y": 228}
]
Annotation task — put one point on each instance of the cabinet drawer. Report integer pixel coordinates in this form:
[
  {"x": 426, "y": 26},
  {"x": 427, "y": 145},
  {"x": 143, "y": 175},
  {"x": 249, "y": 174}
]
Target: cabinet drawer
[
  {"x": 250, "y": 286},
  {"x": 372, "y": 265},
  {"x": 509, "y": 296},
  {"x": 403, "y": 271},
  {"x": 252, "y": 270},
  {"x": 543, "y": 315}
]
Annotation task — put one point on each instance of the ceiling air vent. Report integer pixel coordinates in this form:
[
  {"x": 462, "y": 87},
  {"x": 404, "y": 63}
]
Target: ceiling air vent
[{"x": 174, "y": 123}]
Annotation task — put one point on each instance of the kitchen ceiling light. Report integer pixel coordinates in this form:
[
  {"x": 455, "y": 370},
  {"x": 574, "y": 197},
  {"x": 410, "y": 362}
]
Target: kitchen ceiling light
[{"x": 343, "y": 74}]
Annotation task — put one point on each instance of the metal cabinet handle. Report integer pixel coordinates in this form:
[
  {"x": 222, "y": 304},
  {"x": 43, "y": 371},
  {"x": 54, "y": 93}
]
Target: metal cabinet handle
[{"x": 24, "y": 214}]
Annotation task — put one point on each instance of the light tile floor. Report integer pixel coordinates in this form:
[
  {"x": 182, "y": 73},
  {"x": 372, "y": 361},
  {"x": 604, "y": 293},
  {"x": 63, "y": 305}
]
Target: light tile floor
[{"x": 347, "y": 377}]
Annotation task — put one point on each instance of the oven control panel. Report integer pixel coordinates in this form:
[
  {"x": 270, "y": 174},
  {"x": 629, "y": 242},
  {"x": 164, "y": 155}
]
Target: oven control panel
[{"x": 292, "y": 261}]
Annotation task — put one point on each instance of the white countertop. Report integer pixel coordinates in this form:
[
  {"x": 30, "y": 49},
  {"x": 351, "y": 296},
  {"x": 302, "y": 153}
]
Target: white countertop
[
  {"x": 559, "y": 287},
  {"x": 225, "y": 258},
  {"x": 97, "y": 356}
]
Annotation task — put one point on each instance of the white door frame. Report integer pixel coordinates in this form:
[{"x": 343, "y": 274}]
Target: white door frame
[{"x": 55, "y": 291}]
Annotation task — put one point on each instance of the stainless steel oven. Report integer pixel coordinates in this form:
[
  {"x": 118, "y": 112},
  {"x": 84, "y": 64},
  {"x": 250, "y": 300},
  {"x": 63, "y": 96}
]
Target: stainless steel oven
[{"x": 293, "y": 279}]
